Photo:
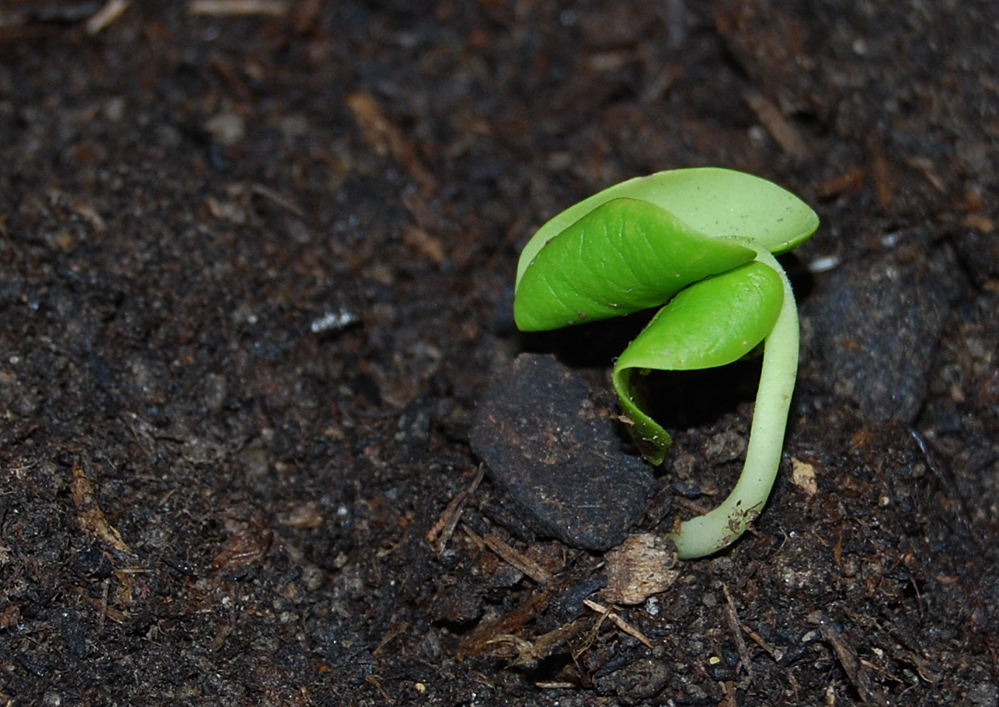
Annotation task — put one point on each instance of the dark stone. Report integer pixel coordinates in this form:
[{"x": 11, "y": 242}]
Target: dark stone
[
  {"x": 979, "y": 253},
  {"x": 558, "y": 456},
  {"x": 876, "y": 325},
  {"x": 638, "y": 681}
]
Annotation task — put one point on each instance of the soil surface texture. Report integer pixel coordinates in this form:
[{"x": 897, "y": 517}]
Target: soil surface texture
[{"x": 256, "y": 274}]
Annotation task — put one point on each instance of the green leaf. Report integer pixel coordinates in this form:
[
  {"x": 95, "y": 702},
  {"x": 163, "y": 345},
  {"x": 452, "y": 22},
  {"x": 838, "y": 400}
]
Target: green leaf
[
  {"x": 709, "y": 200},
  {"x": 711, "y": 323},
  {"x": 624, "y": 256},
  {"x": 688, "y": 235}
]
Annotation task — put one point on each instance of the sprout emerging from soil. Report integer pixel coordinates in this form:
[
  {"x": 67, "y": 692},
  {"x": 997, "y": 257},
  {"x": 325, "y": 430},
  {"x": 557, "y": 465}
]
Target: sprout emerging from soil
[{"x": 702, "y": 243}]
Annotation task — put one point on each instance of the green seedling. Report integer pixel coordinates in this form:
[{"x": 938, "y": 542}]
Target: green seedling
[{"x": 702, "y": 242}]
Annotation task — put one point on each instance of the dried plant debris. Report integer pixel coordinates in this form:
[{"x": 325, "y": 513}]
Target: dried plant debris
[{"x": 639, "y": 567}]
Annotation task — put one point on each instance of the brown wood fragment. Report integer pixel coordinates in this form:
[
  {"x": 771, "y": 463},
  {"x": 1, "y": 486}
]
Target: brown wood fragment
[
  {"x": 523, "y": 652},
  {"x": 102, "y": 618},
  {"x": 775, "y": 653},
  {"x": 386, "y": 138},
  {"x": 929, "y": 171},
  {"x": 237, "y": 7},
  {"x": 855, "y": 670},
  {"x": 638, "y": 568},
  {"x": 282, "y": 200},
  {"x": 443, "y": 529},
  {"x": 844, "y": 183},
  {"x": 397, "y": 629},
  {"x": 481, "y": 636},
  {"x": 982, "y": 224},
  {"x": 129, "y": 580},
  {"x": 86, "y": 211},
  {"x": 424, "y": 243},
  {"x": 619, "y": 622},
  {"x": 222, "y": 633},
  {"x": 91, "y": 518},
  {"x": 517, "y": 559},
  {"x": 111, "y": 11},
  {"x": 376, "y": 682},
  {"x": 545, "y": 644},
  {"x": 803, "y": 476},
  {"x": 248, "y": 547},
  {"x": 731, "y": 697},
  {"x": 732, "y": 616},
  {"x": 304, "y": 515},
  {"x": 420, "y": 236},
  {"x": 306, "y": 15},
  {"x": 780, "y": 129},
  {"x": 882, "y": 175}
]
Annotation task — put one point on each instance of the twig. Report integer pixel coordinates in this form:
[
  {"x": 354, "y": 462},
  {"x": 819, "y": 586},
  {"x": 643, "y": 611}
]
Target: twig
[
  {"x": 112, "y": 10},
  {"x": 733, "y": 623},
  {"x": 619, "y": 622},
  {"x": 104, "y": 606},
  {"x": 237, "y": 7},
  {"x": 376, "y": 682},
  {"x": 517, "y": 559},
  {"x": 443, "y": 529},
  {"x": 782, "y": 131},
  {"x": 776, "y": 653},
  {"x": 285, "y": 202},
  {"x": 854, "y": 668},
  {"x": 90, "y": 517}
]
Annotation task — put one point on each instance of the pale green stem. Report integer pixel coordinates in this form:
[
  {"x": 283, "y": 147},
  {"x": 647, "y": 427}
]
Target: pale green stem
[{"x": 720, "y": 527}]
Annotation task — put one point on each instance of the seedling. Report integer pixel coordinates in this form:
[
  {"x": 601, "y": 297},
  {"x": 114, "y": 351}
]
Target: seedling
[{"x": 702, "y": 242}]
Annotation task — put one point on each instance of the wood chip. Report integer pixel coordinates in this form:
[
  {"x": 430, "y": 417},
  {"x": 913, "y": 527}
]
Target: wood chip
[
  {"x": 105, "y": 588},
  {"x": 282, "y": 200},
  {"x": 237, "y": 7},
  {"x": 485, "y": 634},
  {"x": 638, "y": 568},
  {"x": 424, "y": 243},
  {"x": 517, "y": 559},
  {"x": 112, "y": 10},
  {"x": 546, "y": 643},
  {"x": 443, "y": 529},
  {"x": 882, "y": 174},
  {"x": 86, "y": 211},
  {"x": 803, "y": 476},
  {"x": 555, "y": 685},
  {"x": 732, "y": 615},
  {"x": 303, "y": 515},
  {"x": 376, "y": 682},
  {"x": 619, "y": 622},
  {"x": 385, "y": 137},
  {"x": 244, "y": 549},
  {"x": 854, "y": 668},
  {"x": 780, "y": 129},
  {"x": 776, "y": 653},
  {"x": 91, "y": 518},
  {"x": 849, "y": 181},
  {"x": 524, "y": 652},
  {"x": 306, "y": 15},
  {"x": 982, "y": 224}
]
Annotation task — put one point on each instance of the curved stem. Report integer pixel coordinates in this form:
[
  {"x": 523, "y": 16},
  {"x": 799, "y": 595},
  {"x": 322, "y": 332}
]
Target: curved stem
[{"x": 720, "y": 527}]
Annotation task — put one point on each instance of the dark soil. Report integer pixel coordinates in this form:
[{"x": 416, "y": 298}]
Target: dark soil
[{"x": 256, "y": 273}]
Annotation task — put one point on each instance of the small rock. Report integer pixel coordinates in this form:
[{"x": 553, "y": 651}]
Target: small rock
[
  {"x": 876, "y": 325},
  {"x": 226, "y": 128},
  {"x": 558, "y": 457},
  {"x": 984, "y": 693},
  {"x": 636, "y": 682}
]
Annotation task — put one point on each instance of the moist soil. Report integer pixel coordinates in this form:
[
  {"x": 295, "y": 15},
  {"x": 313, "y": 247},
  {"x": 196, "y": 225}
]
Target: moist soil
[{"x": 257, "y": 266}]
